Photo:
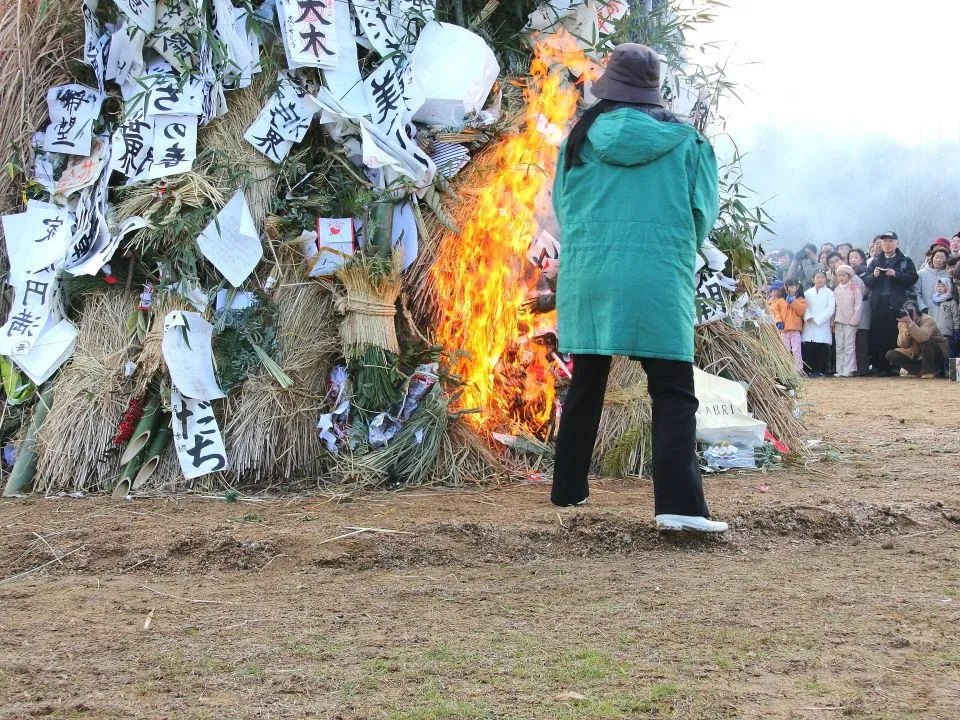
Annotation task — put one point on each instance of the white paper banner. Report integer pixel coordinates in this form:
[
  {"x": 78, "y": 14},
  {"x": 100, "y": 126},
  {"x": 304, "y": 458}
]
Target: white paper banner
[
  {"x": 309, "y": 32},
  {"x": 196, "y": 436},
  {"x": 73, "y": 109},
  {"x": 188, "y": 353},
  {"x": 231, "y": 241}
]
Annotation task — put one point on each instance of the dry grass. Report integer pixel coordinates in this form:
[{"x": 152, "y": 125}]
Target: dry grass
[
  {"x": 35, "y": 49},
  {"x": 89, "y": 398},
  {"x": 224, "y": 137},
  {"x": 271, "y": 432},
  {"x": 624, "y": 426}
]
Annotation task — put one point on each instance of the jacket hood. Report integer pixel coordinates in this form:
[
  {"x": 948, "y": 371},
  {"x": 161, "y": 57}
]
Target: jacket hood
[{"x": 631, "y": 137}]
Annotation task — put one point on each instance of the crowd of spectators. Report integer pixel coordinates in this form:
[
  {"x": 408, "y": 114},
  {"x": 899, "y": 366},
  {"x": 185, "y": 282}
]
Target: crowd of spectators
[{"x": 850, "y": 312}]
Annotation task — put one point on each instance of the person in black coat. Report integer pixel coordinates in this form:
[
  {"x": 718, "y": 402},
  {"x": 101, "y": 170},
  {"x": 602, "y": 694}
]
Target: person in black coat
[{"x": 891, "y": 277}]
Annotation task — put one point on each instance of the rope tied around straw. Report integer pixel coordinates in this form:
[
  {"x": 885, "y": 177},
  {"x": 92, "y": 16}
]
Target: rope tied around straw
[
  {"x": 371, "y": 308},
  {"x": 370, "y": 304}
]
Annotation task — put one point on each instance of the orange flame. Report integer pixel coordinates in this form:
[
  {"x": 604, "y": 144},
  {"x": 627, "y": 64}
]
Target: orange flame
[{"x": 483, "y": 275}]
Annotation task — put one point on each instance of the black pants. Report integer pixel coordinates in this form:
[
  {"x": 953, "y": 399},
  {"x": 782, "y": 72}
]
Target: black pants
[
  {"x": 930, "y": 362},
  {"x": 816, "y": 356},
  {"x": 883, "y": 337},
  {"x": 677, "y": 485},
  {"x": 863, "y": 352}
]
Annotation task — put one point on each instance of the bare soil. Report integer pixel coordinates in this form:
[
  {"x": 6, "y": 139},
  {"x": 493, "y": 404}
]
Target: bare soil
[{"x": 836, "y": 594}]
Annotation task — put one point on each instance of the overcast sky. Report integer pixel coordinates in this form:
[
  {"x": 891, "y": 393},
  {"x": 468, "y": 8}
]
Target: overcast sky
[
  {"x": 850, "y": 120},
  {"x": 884, "y": 67}
]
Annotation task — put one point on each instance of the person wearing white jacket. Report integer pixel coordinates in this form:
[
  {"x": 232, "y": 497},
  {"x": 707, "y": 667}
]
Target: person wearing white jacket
[{"x": 817, "y": 336}]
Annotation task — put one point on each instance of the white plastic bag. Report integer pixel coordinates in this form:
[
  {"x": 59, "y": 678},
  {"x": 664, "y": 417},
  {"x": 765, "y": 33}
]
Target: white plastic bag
[{"x": 723, "y": 415}]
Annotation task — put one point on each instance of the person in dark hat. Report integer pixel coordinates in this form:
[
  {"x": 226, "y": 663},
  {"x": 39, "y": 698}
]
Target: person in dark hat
[
  {"x": 891, "y": 277},
  {"x": 635, "y": 194}
]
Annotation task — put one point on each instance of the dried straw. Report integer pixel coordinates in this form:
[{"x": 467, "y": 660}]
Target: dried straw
[
  {"x": 191, "y": 189},
  {"x": 623, "y": 439},
  {"x": 370, "y": 306},
  {"x": 150, "y": 360},
  {"x": 224, "y": 138},
  {"x": 36, "y": 48},
  {"x": 271, "y": 432},
  {"x": 89, "y": 400}
]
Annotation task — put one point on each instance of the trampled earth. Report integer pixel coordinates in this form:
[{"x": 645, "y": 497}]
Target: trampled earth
[{"x": 836, "y": 594}]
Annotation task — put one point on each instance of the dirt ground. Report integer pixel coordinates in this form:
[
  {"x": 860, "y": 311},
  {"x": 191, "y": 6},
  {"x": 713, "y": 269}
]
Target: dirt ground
[{"x": 836, "y": 594}]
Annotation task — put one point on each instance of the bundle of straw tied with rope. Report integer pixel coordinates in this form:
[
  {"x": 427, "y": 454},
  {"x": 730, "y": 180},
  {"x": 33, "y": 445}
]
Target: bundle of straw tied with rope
[{"x": 223, "y": 225}]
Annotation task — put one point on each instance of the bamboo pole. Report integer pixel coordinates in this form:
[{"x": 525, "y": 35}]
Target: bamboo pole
[
  {"x": 144, "y": 430},
  {"x": 25, "y": 468}
]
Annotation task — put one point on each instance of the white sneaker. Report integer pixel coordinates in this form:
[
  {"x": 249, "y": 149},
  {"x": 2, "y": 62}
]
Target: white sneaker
[{"x": 690, "y": 522}]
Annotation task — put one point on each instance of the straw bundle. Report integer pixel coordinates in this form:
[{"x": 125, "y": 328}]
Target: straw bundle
[
  {"x": 38, "y": 37},
  {"x": 162, "y": 202},
  {"x": 150, "y": 358},
  {"x": 271, "y": 432},
  {"x": 223, "y": 138},
  {"x": 624, "y": 438},
  {"x": 370, "y": 305},
  {"x": 89, "y": 400},
  {"x": 759, "y": 359}
]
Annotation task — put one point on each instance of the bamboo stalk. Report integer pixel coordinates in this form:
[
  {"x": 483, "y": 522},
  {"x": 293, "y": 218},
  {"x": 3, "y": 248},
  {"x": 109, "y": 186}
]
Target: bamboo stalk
[
  {"x": 158, "y": 444},
  {"x": 25, "y": 468},
  {"x": 144, "y": 430}
]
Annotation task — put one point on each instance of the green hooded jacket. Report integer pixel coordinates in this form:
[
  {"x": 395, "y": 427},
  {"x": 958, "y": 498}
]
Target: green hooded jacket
[{"x": 631, "y": 218}]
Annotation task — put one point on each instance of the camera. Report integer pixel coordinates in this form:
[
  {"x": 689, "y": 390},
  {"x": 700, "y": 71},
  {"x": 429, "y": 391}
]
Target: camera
[{"x": 902, "y": 314}]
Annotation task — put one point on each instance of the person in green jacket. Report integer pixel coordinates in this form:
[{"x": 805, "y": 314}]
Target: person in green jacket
[{"x": 635, "y": 194}]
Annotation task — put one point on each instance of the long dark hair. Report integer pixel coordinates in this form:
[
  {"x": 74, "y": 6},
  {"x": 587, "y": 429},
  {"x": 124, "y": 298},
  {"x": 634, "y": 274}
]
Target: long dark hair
[{"x": 579, "y": 131}]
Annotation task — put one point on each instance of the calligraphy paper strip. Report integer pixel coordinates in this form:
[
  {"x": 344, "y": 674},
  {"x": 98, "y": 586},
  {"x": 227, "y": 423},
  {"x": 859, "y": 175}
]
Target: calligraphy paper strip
[{"x": 196, "y": 436}]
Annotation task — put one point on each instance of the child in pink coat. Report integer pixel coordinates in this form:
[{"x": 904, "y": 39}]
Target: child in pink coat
[{"x": 849, "y": 299}]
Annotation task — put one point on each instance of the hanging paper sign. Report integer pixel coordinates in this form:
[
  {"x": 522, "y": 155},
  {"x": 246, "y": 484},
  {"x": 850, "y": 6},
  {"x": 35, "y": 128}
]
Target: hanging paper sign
[
  {"x": 37, "y": 239},
  {"x": 238, "y": 65},
  {"x": 82, "y": 172},
  {"x": 73, "y": 109},
  {"x": 608, "y": 13},
  {"x": 392, "y": 96},
  {"x": 283, "y": 121},
  {"x": 188, "y": 353},
  {"x": 196, "y": 436},
  {"x": 332, "y": 248},
  {"x": 174, "y": 145},
  {"x": 379, "y": 26},
  {"x": 96, "y": 43},
  {"x": 405, "y": 234},
  {"x": 141, "y": 12},
  {"x": 132, "y": 146},
  {"x": 712, "y": 302},
  {"x": 177, "y": 21},
  {"x": 545, "y": 254},
  {"x": 125, "y": 59},
  {"x": 231, "y": 241},
  {"x": 309, "y": 32},
  {"x": 36, "y": 301},
  {"x": 163, "y": 93},
  {"x": 106, "y": 245},
  {"x": 52, "y": 349},
  {"x": 344, "y": 81}
]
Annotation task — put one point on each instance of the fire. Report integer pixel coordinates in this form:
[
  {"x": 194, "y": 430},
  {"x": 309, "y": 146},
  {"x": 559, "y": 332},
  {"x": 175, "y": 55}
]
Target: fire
[{"x": 483, "y": 275}]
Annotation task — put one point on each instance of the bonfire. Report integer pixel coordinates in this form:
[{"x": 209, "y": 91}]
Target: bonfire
[{"x": 295, "y": 251}]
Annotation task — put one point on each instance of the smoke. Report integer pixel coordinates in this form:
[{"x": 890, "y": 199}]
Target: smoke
[{"x": 832, "y": 188}]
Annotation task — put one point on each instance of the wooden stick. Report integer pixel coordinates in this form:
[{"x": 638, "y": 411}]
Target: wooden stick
[
  {"x": 925, "y": 532},
  {"x": 359, "y": 530},
  {"x": 378, "y": 530}
]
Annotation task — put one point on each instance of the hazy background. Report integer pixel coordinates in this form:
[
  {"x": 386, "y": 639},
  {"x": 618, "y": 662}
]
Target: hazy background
[{"x": 850, "y": 119}]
